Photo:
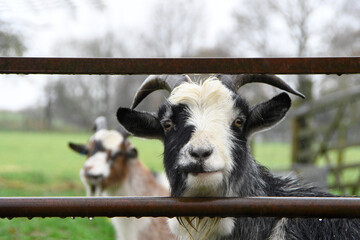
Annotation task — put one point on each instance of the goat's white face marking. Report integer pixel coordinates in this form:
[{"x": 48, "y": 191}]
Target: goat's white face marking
[
  {"x": 96, "y": 165},
  {"x": 211, "y": 112},
  {"x": 110, "y": 139}
]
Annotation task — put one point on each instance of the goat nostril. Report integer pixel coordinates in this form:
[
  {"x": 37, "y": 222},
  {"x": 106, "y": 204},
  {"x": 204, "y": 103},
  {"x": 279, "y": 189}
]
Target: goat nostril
[
  {"x": 88, "y": 168},
  {"x": 200, "y": 153},
  {"x": 207, "y": 154},
  {"x": 194, "y": 154}
]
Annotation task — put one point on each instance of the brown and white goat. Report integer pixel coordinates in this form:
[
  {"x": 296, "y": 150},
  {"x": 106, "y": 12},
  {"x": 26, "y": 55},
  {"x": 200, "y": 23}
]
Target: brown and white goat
[{"x": 112, "y": 168}]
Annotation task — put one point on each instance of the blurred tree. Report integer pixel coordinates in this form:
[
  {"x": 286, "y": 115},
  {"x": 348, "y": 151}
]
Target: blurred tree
[
  {"x": 74, "y": 101},
  {"x": 105, "y": 46},
  {"x": 86, "y": 96},
  {"x": 11, "y": 43},
  {"x": 258, "y": 26},
  {"x": 344, "y": 40},
  {"x": 296, "y": 14},
  {"x": 175, "y": 29},
  {"x": 252, "y": 30}
]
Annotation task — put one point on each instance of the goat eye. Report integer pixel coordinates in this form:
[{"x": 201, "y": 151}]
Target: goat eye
[
  {"x": 238, "y": 122},
  {"x": 167, "y": 125}
]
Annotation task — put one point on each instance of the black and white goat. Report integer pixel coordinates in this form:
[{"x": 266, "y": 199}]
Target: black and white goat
[
  {"x": 113, "y": 169},
  {"x": 205, "y": 129}
]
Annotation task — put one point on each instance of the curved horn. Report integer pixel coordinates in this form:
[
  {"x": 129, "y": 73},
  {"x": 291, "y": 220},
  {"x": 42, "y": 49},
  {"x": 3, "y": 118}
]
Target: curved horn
[
  {"x": 236, "y": 81},
  {"x": 99, "y": 123},
  {"x": 156, "y": 82}
]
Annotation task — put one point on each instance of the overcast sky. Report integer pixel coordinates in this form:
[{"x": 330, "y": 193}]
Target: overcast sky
[
  {"x": 47, "y": 24},
  {"x": 44, "y": 24}
]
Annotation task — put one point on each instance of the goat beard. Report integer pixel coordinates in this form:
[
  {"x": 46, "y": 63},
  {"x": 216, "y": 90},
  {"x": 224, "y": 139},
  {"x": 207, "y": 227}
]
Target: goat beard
[
  {"x": 204, "y": 226},
  {"x": 95, "y": 189}
]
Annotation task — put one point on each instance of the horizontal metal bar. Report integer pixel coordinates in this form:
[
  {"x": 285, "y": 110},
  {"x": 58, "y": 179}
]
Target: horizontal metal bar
[
  {"x": 334, "y": 207},
  {"x": 316, "y": 65}
]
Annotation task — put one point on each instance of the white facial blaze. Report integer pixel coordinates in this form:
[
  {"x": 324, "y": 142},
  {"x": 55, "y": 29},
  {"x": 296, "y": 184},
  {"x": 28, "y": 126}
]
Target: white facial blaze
[
  {"x": 97, "y": 165},
  {"x": 110, "y": 139},
  {"x": 211, "y": 111}
]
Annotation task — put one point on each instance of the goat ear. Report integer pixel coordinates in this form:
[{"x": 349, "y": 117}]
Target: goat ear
[
  {"x": 80, "y": 148},
  {"x": 141, "y": 124},
  {"x": 267, "y": 114}
]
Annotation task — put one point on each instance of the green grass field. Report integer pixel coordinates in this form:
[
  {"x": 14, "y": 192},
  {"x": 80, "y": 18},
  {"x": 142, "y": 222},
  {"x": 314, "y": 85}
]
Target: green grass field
[{"x": 41, "y": 164}]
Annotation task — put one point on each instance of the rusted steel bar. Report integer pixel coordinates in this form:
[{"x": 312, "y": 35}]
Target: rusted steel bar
[
  {"x": 335, "y": 207},
  {"x": 318, "y": 65}
]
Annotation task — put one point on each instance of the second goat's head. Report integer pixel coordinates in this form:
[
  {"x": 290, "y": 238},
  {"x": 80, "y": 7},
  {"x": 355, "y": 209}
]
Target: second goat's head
[{"x": 108, "y": 154}]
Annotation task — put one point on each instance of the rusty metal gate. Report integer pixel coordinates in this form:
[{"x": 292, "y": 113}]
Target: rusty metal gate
[{"x": 336, "y": 207}]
